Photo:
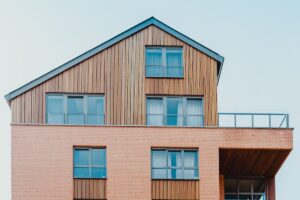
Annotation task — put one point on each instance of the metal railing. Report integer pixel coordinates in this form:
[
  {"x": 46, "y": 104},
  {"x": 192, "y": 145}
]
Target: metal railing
[{"x": 254, "y": 120}]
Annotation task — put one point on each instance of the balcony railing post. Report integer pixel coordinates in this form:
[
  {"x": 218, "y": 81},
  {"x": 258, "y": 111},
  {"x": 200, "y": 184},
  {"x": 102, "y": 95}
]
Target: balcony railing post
[
  {"x": 252, "y": 120},
  {"x": 287, "y": 121},
  {"x": 270, "y": 122},
  {"x": 234, "y": 120}
]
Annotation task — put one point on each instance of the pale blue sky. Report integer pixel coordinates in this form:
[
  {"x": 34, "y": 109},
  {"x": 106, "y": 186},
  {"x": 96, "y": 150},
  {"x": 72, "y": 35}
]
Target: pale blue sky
[{"x": 260, "y": 41}]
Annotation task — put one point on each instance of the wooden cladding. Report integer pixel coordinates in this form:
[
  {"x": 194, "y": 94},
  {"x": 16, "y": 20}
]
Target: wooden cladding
[
  {"x": 89, "y": 189},
  {"x": 118, "y": 72},
  {"x": 175, "y": 189}
]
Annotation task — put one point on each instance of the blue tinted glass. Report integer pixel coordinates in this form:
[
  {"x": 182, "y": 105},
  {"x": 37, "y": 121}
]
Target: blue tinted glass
[
  {"x": 154, "y": 65},
  {"x": 98, "y": 157},
  {"x": 75, "y": 105},
  {"x": 55, "y": 118},
  {"x": 175, "y": 173},
  {"x": 81, "y": 157},
  {"x": 75, "y": 118},
  {"x": 174, "y": 111},
  {"x": 95, "y": 105},
  {"x": 98, "y": 172},
  {"x": 159, "y": 173},
  {"x": 174, "y": 159},
  {"x": 95, "y": 119},
  {"x": 190, "y": 173},
  {"x": 190, "y": 159},
  {"x": 55, "y": 104},
  {"x": 159, "y": 158},
  {"x": 81, "y": 172}
]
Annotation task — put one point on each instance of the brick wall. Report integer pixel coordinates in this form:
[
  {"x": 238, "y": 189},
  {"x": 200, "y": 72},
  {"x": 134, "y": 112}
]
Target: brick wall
[{"x": 42, "y": 156}]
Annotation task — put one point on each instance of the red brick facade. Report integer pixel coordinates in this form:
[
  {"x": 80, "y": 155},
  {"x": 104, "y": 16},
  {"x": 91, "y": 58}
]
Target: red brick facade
[{"x": 42, "y": 164}]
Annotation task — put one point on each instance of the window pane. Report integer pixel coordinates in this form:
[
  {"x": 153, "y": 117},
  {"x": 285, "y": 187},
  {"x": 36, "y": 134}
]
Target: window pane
[
  {"x": 95, "y": 105},
  {"x": 190, "y": 174},
  {"x": 55, "y": 111},
  {"x": 190, "y": 159},
  {"x": 258, "y": 185},
  {"x": 174, "y": 63},
  {"x": 245, "y": 197},
  {"x": 175, "y": 173},
  {"x": 259, "y": 197},
  {"x": 194, "y": 112},
  {"x": 159, "y": 158},
  {"x": 81, "y": 157},
  {"x": 154, "y": 65},
  {"x": 98, "y": 173},
  {"x": 81, "y": 172},
  {"x": 95, "y": 119},
  {"x": 245, "y": 185},
  {"x": 159, "y": 173},
  {"x": 75, "y": 105},
  {"x": 174, "y": 112},
  {"x": 155, "y": 112},
  {"x": 98, "y": 157},
  {"x": 231, "y": 186},
  {"x": 174, "y": 158},
  {"x": 75, "y": 118},
  {"x": 231, "y": 197},
  {"x": 55, "y": 118}
]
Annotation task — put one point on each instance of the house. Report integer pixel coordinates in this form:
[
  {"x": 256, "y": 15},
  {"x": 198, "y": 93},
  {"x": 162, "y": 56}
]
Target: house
[{"x": 136, "y": 118}]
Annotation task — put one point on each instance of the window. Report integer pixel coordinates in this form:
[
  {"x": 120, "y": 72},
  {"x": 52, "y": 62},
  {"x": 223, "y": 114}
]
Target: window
[
  {"x": 174, "y": 164},
  {"x": 174, "y": 111},
  {"x": 89, "y": 163},
  {"x": 250, "y": 189},
  {"x": 164, "y": 62},
  {"x": 75, "y": 109}
]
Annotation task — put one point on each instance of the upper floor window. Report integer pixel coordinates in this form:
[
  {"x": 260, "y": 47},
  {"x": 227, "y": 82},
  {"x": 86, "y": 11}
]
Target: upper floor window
[
  {"x": 75, "y": 109},
  {"x": 89, "y": 163},
  {"x": 174, "y": 164},
  {"x": 174, "y": 111},
  {"x": 164, "y": 62}
]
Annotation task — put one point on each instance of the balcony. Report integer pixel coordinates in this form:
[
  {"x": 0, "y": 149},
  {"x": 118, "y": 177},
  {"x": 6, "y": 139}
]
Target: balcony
[{"x": 253, "y": 120}]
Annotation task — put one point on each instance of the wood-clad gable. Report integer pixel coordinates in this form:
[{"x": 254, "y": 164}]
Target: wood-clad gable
[{"x": 118, "y": 72}]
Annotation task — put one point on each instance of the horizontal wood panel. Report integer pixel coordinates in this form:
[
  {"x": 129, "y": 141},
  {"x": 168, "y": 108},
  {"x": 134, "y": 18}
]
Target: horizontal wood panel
[
  {"x": 251, "y": 162},
  {"x": 175, "y": 189},
  {"x": 89, "y": 189},
  {"x": 119, "y": 73}
]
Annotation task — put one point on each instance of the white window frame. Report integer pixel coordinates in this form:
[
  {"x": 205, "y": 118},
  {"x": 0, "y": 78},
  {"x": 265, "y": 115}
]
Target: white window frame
[
  {"x": 184, "y": 107},
  {"x": 182, "y": 168},
  {"x": 164, "y": 51},
  {"x": 85, "y": 107}
]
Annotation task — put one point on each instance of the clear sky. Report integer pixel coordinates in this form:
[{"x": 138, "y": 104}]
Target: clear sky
[{"x": 260, "y": 41}]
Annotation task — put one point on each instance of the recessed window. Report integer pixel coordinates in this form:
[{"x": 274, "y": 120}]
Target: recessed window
[
  {"x": 164, "y": 62},
  {"x": 174, "y": 164},
  {"x": 245, "y": 188},
  {"x": 75, "y": 109},
  {"x": 89, "y": 163},
  {"x": 174, "y": 111}
]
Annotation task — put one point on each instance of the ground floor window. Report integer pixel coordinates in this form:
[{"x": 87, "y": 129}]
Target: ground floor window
[{"x": 245, "y": 188}]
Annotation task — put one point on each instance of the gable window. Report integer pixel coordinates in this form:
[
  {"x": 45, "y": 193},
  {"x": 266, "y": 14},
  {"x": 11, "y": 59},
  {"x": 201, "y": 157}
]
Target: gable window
[
  {"x": 164, "y": 62},
  {"x": 174, "y": 164},
  {"x": 74, "y": 109},
  {"x": 174, "y": 111},
  {"x": 89, "y": 163}
]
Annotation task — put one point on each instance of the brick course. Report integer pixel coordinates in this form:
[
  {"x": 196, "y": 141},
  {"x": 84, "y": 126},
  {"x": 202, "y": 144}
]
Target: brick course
[{"x": 42, "y": 156}]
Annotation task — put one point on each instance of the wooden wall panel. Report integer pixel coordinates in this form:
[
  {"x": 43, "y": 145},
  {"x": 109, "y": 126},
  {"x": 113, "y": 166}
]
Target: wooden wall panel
[
  {"x": 175, "y": 189},
  {"x": 119, "y": 73},
  {"x": 89, "y": 189}
]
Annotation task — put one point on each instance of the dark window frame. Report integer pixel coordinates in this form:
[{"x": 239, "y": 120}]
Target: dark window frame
[
  {"x": 182, "y": 168},
  {"x": 65, "y": 113},
  {"x": 164, "y": 51},
  {"x": 184, "y": 114},
  {"x": 90, "y": 166}
]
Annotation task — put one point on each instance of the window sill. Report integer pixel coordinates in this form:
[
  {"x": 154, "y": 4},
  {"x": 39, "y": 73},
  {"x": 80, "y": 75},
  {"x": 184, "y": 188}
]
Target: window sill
[
  {"x": 90, "y": 178},
  {"x": 164, "y": 77},
  {"x": 164, "y": 179}
]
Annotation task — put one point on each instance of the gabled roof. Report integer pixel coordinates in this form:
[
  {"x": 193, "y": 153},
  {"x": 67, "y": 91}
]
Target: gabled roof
[{"x": 112, "y": 41}]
